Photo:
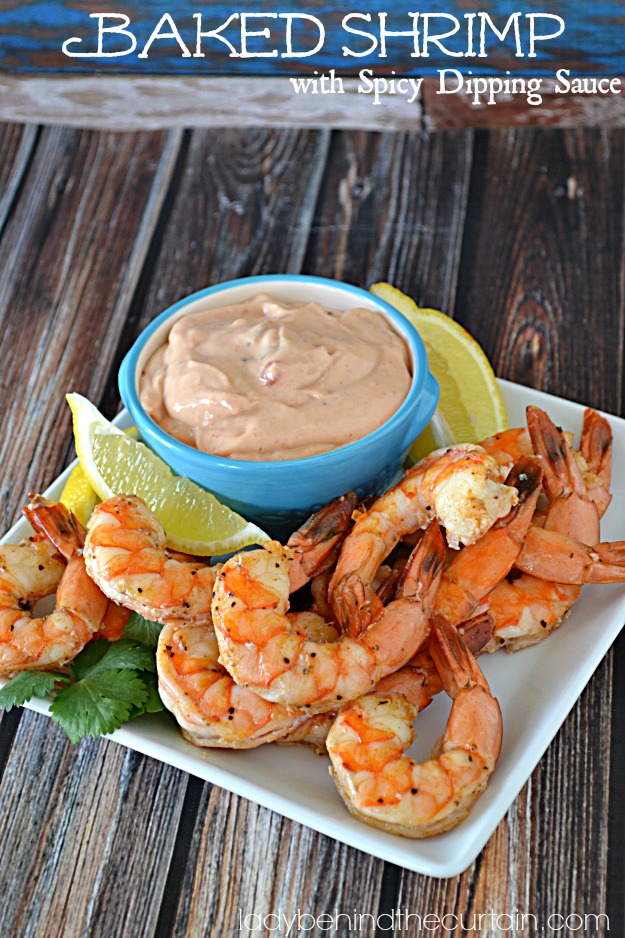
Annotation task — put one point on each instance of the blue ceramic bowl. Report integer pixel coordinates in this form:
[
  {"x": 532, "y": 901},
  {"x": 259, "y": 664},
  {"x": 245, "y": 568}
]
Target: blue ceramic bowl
[{"x": 278, "y": 496}]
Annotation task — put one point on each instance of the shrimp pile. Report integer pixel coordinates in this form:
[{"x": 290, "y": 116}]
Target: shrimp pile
[{"x": 477, "y": 548}]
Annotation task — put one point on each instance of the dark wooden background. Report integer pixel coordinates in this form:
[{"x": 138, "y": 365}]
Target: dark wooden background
[{"x": 516, "y": 233}]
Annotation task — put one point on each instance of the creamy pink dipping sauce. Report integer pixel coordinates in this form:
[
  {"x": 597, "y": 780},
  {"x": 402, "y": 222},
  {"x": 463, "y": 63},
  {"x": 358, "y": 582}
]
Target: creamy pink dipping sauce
[{"x": 262, "y": 380}]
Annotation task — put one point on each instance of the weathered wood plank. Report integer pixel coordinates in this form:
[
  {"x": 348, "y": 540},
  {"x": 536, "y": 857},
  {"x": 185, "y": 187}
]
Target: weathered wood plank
[
  {"x": 82, "y": 854},
  {"x": 540, "y": 282},
  {"x": 392, "y": 208},
  {"x": 243, "y": 206},
  {"x": 70, "y": 259},
  {"x": 247, "y": 863},
  {"x": 549, "y": 109},
  {"x": 16, "y": 146},
  {"x": 154, "y": 102},
  {"x": 589, "y": 42}
]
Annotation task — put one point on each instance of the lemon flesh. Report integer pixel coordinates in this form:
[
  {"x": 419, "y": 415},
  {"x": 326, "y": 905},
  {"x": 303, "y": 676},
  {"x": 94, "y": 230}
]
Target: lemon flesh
[
  {"x": 78, "y": 496},
  {"x": 471, "y": 407},
  {"x": 116, "y": 464}
]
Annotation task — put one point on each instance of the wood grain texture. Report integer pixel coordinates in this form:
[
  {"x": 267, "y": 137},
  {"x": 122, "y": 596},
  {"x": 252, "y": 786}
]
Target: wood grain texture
[
  {"x": 33, "y": 40},
  {"x": 392, "y": 208},
  {"x": 155, "y": 102},
  {"x": 70, "y": 257},
  {"x": 564, "y": 109},
  {"x": 519, "y": 235},
  {"x": 16, "y": 146},
  {"x": 295, "y": 870},
  {"x": 243, "y": 205},
  {"x": 543, "y": 252},
  {"x": 74, "y": 823}
]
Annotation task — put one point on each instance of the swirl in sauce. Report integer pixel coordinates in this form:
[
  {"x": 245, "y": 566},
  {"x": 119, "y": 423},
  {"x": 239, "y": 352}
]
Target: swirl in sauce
[{"x": 262, "y": 380}]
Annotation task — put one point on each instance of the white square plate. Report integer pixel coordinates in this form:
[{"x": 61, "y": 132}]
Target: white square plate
[{"x": 536, "y": 688}]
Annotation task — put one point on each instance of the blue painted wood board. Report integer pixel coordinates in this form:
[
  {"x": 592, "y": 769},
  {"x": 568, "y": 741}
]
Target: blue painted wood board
[{"x": 32, "y": 33}]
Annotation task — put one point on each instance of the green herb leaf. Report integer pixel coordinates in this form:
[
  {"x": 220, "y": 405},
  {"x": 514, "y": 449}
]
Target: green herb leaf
[
  {"x": 142, "y": 630},
  {"x": 153, "y": 704},
  {"x": 89, "y": 658},
  {"x": 29, "y": 684},
  {"x": 102, "y": 655},
  {"x": 99, "y": 703}
]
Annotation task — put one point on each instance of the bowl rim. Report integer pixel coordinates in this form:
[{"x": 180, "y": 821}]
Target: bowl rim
[{"x": 128, "y": 379}]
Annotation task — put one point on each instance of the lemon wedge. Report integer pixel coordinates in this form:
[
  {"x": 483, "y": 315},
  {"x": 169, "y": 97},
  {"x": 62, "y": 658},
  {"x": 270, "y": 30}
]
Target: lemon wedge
[
  {"x": 78, "y": 496},
  {"x": 471, "y": 407},
  {"x": 114, "y": 463}
]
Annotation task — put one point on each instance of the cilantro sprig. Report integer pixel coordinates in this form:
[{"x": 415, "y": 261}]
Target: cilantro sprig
[{"x": 108, "y": 683}]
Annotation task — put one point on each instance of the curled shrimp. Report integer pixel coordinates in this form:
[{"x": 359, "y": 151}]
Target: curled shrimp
[
  {"x": 384, "y": 787},
  {"x": 213, "y": 711},
  {"x": 459, "y": 486},
  {"x": 555, "y": 560},
  {"x": 30, "y": 571},
  {"x": 65, "y": 532},
  {"x": 126, "y": 556},
  {"x": 471, "y": 574},
  {"x": 263, "y": 649}
]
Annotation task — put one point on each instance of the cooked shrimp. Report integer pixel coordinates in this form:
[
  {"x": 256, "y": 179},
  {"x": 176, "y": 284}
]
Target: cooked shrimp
[
  {"x": 525, "y": 609},
  {"x": 459, "y": 486},
  {"x": 317, "y": 542},
  {"x": 262, "y": 649},
  {"x": 312, "y": 732},
  {"x": 594, "y": 458},
  {"x": 570, "y": 510},
  {"x": 213, "y": 711},
  {"x": 508, "y": 446},
  {"x": 386, "y": 788},
  {"x": 52, "y": 519},
  {"x": 476, "y": 570},
  {"x": 30, "y": 571},
  {"x": 596, "y": 450},
  {"x": 126, "y": 556},
  {"x": 66, "y": 533}
]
